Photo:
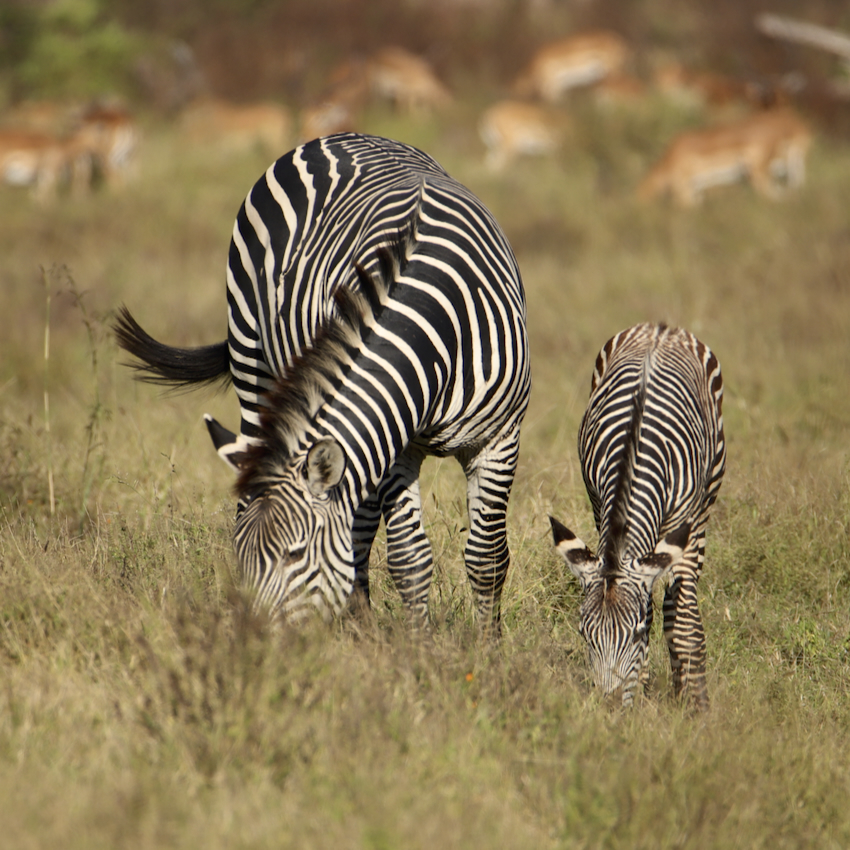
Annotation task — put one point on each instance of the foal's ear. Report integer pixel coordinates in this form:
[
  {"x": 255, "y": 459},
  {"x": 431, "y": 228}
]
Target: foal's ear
[
  {"x": 582, "y": 562},
  {"x": 231, "y": 448},
  {"x": 668, "y": 552}
]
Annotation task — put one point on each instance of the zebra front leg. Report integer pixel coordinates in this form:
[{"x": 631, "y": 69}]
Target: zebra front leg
[
  {"x": 409, "y": 558},
  {"x": 684, "y": 633},
  {"x": 645, "y": 677},
  {"x": 366, "y": 522},
  {"x": 489, "y": 476}
]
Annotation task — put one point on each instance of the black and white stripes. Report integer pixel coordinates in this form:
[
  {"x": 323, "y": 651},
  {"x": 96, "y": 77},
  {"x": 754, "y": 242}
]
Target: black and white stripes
[
  {"x": 653, "y": 454},
  {"x": 376, "y": 315}
]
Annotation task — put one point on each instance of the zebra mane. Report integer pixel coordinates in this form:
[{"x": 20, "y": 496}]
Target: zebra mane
[
  {"x": 615, "y": 542},
  {"x": 295, "y": 398}
]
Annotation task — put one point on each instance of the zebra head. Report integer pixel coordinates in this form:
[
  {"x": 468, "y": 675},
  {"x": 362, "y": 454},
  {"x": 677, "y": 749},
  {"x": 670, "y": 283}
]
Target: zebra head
[
  {"x": 293, "y": 529},
  {"x": 616, "y": 612}
]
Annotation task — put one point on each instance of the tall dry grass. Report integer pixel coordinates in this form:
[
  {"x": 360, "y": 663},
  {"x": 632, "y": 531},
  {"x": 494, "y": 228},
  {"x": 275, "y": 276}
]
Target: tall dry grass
[{"x": 140, "y": 708}]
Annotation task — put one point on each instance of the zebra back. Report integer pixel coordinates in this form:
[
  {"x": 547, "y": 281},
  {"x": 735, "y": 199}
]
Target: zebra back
[{"x": 315, "y": 215}]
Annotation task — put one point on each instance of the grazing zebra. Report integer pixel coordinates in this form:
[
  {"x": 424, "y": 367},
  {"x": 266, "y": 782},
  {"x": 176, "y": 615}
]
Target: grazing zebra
[
  {"x": 376, "y": 316},
  {"x": 652, "y": 455}
]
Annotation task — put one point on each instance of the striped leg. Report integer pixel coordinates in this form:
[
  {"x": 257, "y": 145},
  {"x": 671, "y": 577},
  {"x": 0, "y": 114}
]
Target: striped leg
[
  {"x": 366, "y": 522},
  {"x": 489, "y": 475},
  {"x": 644, "y": 677},
  {"x": 683, "y": 628},
  {"x": 409, "y": 557}
]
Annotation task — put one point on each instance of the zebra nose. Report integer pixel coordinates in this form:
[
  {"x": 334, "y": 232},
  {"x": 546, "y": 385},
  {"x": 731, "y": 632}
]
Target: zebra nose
[
  {"x": 614, "y": 697},
  {"x": 616, "y": 691}
]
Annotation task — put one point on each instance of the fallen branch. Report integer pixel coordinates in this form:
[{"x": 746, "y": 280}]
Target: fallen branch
[{"x": 813, "y": 35}]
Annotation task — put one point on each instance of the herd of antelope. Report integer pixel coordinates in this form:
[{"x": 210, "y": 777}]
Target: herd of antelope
[
  {"x": 765, "y": 142},
  {"x": 52, "y": 148},
  {"x": 49, "y": 146}
]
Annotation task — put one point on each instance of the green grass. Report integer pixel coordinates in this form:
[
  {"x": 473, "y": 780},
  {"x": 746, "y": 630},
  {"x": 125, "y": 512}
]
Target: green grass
[{"x": 139, "y": 708}]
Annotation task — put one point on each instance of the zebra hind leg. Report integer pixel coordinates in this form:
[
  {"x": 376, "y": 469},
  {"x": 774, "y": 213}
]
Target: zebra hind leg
[
  {"x": 489, "y": 476},
  {"x": 409, "y": 558}
]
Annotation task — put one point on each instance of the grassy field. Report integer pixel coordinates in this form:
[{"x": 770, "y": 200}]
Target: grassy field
[{"x": 139, "y": 709}]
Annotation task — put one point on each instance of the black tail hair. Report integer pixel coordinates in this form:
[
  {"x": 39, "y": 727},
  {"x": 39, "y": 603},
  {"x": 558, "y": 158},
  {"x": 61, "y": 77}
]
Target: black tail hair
[{"x": 176, "y": 368}]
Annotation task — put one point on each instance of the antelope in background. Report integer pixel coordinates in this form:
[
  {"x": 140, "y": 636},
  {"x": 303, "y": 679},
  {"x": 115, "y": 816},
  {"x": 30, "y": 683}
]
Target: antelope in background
[
  {"x": 510, "y": 129},
  {"x": 768, "y": 148},
  {"x": 407, "y": 80},
  {"x": 232, "y": 128},
  {"x": 47, "y": 146},
  {"x": 578, "y": 60}
]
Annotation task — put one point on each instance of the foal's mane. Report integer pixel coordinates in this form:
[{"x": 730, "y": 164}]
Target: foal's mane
[{"x": 615, "y": 542}]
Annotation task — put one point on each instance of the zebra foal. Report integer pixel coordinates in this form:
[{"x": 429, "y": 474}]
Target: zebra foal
[
  {"x": 652, "y": 454},
  {"x": 376, "y": 315}
]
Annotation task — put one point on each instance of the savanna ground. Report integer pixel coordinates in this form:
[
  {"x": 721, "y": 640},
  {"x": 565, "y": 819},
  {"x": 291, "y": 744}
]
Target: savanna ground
[{"x": 140, "y": 709}]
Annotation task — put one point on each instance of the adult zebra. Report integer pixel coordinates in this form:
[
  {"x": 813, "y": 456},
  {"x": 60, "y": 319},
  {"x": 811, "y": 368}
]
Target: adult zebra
[
  {"x": 652, "y": 454},
  {"x": 376, "y": 315}
]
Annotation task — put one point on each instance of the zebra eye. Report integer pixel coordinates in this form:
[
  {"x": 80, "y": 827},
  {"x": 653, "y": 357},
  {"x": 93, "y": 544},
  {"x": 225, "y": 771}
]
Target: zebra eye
[
  {"x": 296, "y": 553},
  {"x": 639, "y": 633}
]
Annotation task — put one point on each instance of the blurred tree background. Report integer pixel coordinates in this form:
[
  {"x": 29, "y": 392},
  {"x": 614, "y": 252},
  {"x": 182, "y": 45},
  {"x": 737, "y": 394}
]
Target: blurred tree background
[{"x": 159, "y": 53}]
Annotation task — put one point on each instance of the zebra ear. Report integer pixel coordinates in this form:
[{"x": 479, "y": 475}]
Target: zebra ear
[
  {"x": 231, "y": 448},
  {"x": 325, "y": 466},
  {"x": 581, "y": 561},
  {"x": 668, "y": 552}
]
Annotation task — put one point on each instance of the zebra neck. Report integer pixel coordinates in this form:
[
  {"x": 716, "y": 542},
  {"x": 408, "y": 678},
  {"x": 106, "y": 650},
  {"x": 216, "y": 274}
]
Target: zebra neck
[{"x": 373, "y": 422}]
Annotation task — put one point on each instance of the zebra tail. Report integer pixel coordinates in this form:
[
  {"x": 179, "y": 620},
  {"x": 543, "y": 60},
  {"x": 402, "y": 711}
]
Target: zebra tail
[{"x": 175, "y": 368}]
